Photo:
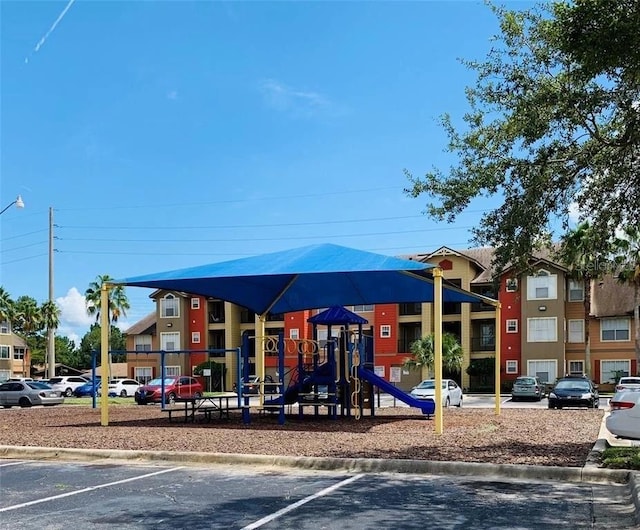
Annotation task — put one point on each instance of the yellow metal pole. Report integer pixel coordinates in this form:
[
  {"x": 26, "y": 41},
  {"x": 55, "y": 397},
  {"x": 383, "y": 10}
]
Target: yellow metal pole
[
  {"x": 104, "y": 354},
  {"x": 437, "y": 344},
  {"x": 260, "y": 338},
  {"x": 498, "y": 361}
]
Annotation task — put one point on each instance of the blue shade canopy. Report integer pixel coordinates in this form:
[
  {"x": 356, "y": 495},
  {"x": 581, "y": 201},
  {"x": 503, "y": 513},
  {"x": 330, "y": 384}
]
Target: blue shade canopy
[
  {"x": 337, "y": 315},
  {"x": 306, "y": 278}
]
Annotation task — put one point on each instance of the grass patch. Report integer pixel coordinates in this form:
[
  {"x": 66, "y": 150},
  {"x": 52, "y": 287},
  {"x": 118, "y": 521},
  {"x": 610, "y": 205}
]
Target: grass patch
[
  {"x": 621, "y": 458},
  {"x": 88, "y": 401}
]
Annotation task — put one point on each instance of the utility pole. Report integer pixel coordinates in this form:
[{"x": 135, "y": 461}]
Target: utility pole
[{"x": 51, "y": 332}]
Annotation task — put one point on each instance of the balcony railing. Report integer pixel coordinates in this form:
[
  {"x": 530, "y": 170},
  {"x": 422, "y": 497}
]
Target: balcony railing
[{"x": 483, "y": 343}]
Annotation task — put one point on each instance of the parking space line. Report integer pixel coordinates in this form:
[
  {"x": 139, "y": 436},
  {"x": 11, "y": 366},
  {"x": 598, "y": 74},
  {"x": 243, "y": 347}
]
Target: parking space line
[
  {"x": 85, "y": 490},
  {"x": 13, "y": 463},
  {"x": 295, "y": 505}
]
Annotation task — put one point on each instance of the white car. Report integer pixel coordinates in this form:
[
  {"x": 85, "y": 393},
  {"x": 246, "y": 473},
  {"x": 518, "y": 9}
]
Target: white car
[
  {"x": 67, "y": 383},
  {"x": 628, "y": 383},
  {"x": 124, "y": 387},
  {"x": 624, "y": 419},
  {"x": 451, "y": 392}
]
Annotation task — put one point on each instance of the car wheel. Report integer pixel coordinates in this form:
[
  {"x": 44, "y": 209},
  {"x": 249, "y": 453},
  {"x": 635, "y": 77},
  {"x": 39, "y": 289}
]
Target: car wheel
[
  {"x": 460, "y": 402},
  {"x": 123, "y": 392},
  {"x": 7, "y": 406},
  {"x": 447, "y": 403},
  {"x": 197, "y": 395},
  {"x": 24, "y": 402},
  {"x": 171, "y": 399},
  {"x": 514, "y": 399},
  {"x": 551, "y": 407},
  {"x": 68, "y": 392}
]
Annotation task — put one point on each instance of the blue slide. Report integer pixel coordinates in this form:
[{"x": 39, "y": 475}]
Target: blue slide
[{"x": 426, "y": 406}]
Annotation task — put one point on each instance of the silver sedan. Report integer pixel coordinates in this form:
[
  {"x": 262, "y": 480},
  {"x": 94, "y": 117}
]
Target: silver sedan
[{"x": 27, "y": 394}]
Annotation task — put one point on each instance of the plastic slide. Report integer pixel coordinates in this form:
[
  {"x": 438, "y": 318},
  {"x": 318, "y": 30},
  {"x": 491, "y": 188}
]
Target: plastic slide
[
  {"x": 289, "y": 397},
  {"x": 426, "y": 406}
]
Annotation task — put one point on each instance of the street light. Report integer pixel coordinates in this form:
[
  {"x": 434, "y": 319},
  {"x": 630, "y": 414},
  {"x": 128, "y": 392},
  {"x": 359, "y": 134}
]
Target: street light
[{"x": 18, "y": 202}]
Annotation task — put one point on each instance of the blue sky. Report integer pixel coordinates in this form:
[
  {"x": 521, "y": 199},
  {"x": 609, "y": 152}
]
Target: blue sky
[{"x": 173, "y": 134}]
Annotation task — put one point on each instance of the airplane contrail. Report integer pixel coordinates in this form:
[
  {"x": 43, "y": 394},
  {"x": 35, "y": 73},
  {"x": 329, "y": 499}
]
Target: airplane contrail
[{"x": 51, "y": 29}]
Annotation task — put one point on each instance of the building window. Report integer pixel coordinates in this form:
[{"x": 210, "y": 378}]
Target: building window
[
  {"x": 385, "y": 331},
  {"x": 575, "y": 330},
  {"x": 142, "y": 343},
  {"x": 512, "y": 325},
  {"x": 576, "y": 291},
  {"x": 172, "y": 371},
  {"x": 169, "y": 307},
  {"x": 576, "y": 367},
  {"x": 614, "y": 329},
  {"x": 5, "y": 374},
  {"x": 511, "y": 285},
  {"x": 546, "y": 371},
  {"x": 144, "y": 374},
  {"x": 362, "y": 308},
  {"x": 294, "y": 333},
  {"x": 543, "y": 286},
  {"x": 542, "y": 329},
  {"x": 5, "y": 328},
  {"x": 170, "y": 341},
  {"x": 610, "y": 371},
  {"x": 4, "y": 351},
  {"x": 195, "y": 337},
  {"x": 195, "y": 303},
  {"x": 512, "y": 367},
  {"x": 18, "y": 353}
]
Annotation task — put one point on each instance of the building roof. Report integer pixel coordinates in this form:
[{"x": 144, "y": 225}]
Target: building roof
[
  {"x": 610, "y": 298},
  {"x": 146, "y": 326}
]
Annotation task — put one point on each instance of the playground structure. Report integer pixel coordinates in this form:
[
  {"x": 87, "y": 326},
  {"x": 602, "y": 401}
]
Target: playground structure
[{"x": 327, "y": 373}]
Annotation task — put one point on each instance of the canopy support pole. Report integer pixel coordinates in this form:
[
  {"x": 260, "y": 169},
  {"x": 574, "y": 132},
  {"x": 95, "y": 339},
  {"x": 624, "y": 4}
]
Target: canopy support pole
[
  {"x": 104, "y": 354},
  {"x": 260, "y": 338},
  {"x": 437, "y": 344}
]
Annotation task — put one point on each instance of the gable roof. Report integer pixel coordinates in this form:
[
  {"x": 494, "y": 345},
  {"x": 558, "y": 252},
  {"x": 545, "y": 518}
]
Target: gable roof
[
  {"x": 146, "y": 326},
  {"x": 609, "y": 298}
]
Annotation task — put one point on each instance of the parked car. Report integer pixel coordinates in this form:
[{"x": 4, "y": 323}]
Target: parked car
[
  {"x": 451, "y": 392},
  {"x": 574, "y": 392},
  {"x": 253, "y": 386},
  {"x": 91, "y": 388},
  {"x": 628, "y": 383},
  {"x": 174, "y": 387},
  {"x": 26, "y": 394},
  {"x": 123, "y": 387},
  {"x": 527, "y": 387},
  {"x": 624, "y": 418},
  {"x": 67, "y": 383}
]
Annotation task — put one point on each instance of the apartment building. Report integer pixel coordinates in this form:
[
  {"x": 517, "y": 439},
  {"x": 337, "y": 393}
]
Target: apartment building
[
  {"x": 15, "y": 360},
  {"x": 542, "y": 327}
]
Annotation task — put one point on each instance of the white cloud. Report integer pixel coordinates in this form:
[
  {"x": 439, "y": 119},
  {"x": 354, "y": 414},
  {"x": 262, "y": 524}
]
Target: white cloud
[
  {"x": 299, "y": 102},
  {"x": 574, "y": 212},
  {"x": 74, "y": 321}
]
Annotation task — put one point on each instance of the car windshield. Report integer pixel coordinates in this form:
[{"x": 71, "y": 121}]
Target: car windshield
[
  {"x": 573, "y": 385},
  {"x": 630, "y": 381},
  {"x": 430, "y": 385},
  {"x": 158, "y": 381},
  {"x": 38, "y": 386},
  {"x": 55, "y": 380}
]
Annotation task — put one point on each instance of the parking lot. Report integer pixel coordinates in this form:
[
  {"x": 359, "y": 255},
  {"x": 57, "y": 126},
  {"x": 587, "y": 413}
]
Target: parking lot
[{"x": 57, "y": 495}]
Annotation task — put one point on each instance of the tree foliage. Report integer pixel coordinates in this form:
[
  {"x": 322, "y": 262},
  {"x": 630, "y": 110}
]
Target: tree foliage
[
  {"x": 423, "y": 353},
  {"x": 553, "y": 122}
]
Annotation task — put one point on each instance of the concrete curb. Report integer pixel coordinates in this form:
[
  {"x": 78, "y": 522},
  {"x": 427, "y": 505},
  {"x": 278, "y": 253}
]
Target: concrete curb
[{"x": 361, "y": 465}]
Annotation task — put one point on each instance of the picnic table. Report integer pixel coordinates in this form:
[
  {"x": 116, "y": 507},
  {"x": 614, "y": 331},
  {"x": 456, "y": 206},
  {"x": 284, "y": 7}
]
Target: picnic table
[{"x": 218, "y": 404}]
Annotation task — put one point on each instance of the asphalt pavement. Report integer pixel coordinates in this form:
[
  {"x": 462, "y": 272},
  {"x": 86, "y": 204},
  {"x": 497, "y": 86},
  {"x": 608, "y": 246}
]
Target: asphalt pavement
[{"x": 56, "y": 488}]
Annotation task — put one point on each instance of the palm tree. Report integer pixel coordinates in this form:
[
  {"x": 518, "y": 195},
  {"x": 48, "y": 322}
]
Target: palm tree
[
  {"x": 424, "y": 354},
  {"x": 118, "y": 301},
  {"x": 629, "y": 258},
  {"x": 27, "y": 317},
  {"x": 6, "y": 306},
  {"x": 579, "y": 253}
]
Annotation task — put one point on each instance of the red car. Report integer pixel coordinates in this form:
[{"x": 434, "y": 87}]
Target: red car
[{"x": 175, "y": 387}]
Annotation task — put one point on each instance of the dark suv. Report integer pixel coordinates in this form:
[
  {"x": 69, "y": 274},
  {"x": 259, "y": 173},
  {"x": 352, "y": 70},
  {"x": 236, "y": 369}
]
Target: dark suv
[{"x": 574, "y": 392}]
